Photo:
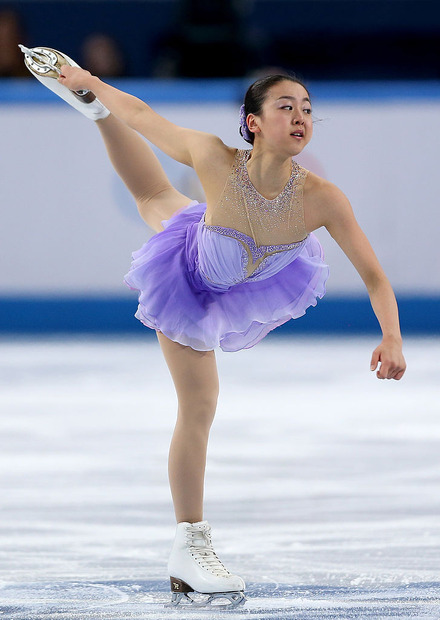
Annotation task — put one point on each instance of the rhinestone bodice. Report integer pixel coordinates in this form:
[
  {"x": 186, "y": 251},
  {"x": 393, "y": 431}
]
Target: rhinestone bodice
[{"x": 251, "y": 237}]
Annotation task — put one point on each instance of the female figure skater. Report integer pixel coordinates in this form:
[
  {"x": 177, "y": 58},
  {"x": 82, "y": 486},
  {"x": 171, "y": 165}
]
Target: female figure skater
[{"x": 226, "y": 272}]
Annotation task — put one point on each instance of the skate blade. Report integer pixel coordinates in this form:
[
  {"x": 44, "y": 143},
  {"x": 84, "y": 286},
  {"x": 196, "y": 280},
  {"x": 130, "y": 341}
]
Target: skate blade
[
  {"x": 218, "y": 600},
  {"x": 42, "y": 61},
  {"x": 46, "y": 62}
]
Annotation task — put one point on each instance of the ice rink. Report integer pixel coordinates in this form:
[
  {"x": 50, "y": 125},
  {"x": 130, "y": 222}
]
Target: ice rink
[{"x": 323, "y": 483}]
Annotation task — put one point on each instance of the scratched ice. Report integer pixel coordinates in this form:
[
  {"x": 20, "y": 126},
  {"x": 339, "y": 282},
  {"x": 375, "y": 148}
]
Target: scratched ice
[{"x": 322, "y": 482}]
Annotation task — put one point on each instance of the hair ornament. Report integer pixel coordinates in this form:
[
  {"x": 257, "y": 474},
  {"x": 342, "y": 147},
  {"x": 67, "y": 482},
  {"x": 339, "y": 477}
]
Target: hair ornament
[{"x": 247, "y": 135}]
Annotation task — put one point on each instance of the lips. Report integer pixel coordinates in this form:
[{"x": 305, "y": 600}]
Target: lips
[{"x": 298, "y": 134}]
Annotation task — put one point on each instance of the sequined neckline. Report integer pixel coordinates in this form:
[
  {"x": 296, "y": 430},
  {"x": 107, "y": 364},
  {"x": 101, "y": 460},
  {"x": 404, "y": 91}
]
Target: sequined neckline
[{"x": 246, "y": 157}]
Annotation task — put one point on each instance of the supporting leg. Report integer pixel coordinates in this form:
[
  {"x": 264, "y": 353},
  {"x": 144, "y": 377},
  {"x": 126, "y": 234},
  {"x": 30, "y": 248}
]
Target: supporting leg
[
  {"x": 196, "y": 381},
  {"x": 193, "y": 565}
]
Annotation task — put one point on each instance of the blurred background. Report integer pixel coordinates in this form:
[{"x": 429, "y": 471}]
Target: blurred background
[
  {"x": 68, "y": 224},
  {"x": 323, "y": 39}
]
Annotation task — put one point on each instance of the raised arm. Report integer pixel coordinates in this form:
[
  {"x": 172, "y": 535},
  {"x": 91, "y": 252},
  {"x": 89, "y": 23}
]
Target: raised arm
[
  {"x": 187, "y": 146},
  {"x": 333, "y": 210}
]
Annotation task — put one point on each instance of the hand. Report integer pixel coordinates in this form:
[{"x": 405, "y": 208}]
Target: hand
[
  {"x": 392, "y": 363},
  {"x": 75, "y": 78}
]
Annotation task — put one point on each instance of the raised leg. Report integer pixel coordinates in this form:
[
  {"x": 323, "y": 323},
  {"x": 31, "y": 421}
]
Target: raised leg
[
  {"x": 130, "y": 154},
  {"x": 196, "y": 381},
  {"x": 141, "y": 171}
]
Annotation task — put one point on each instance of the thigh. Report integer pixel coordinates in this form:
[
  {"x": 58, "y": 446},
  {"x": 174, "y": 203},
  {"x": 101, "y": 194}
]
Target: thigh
[
  {"x": 194, "y": 374},
  {"x": 161, "y": 206}
]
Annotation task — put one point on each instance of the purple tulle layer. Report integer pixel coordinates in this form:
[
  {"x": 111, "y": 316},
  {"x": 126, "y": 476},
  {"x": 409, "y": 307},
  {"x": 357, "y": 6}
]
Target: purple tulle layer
[{"x": 174, "y": 299}]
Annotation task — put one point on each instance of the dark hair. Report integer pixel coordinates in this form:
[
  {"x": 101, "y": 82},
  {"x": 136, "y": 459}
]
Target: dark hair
[{"x": 257, "y": 92}]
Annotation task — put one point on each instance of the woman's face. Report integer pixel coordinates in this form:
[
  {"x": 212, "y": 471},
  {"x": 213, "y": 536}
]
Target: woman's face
[{"x": 286, "y": 119}]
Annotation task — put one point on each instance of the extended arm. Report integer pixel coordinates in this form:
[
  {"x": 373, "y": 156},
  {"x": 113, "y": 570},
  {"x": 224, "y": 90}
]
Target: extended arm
[
  {"x": 340, "y": 221},
  {"x": 187, "y": 146}
]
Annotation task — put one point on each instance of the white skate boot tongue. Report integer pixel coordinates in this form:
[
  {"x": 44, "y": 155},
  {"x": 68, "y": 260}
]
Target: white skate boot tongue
[{"x": 199, "y": 538}]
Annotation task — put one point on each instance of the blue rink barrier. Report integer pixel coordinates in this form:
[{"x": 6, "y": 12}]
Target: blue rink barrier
[
  {"x": 114, "y": 315},
  {"x": 29, "y": 91}
]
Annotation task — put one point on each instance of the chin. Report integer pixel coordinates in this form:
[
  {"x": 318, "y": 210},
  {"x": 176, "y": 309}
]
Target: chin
[{"x": 296, "y": 149}]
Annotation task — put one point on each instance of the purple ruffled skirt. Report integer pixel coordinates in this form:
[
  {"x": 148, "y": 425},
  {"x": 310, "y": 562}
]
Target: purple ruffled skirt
[{"x": 175, "y": 300}]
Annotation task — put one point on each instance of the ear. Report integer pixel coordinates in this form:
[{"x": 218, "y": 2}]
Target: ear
[{"x": 252, "y": 122}]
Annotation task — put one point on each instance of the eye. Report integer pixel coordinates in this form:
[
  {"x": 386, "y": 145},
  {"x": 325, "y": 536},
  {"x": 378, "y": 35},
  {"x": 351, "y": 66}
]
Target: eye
[
  {"x": 308, "y": 110},
  {"x": 287, "y": 107}
]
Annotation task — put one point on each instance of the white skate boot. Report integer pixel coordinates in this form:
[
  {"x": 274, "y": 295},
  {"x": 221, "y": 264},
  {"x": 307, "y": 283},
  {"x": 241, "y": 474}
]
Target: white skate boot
[
  {"x": 45, "y": 63},
  {"x": 194, "y": 567}
]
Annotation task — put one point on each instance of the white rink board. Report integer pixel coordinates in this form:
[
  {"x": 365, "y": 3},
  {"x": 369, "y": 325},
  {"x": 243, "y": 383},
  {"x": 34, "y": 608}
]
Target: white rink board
[{"x": 69, "y": 226}]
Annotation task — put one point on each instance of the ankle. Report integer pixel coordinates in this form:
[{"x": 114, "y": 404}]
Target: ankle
[{"x": 190, "y": 517}]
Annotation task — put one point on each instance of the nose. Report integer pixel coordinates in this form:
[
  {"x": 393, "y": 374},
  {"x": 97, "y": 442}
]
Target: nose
[{"x": 298, "y": 118}]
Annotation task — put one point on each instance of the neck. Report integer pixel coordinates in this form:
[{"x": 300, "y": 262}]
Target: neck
[{"x": 269, "y": 171}]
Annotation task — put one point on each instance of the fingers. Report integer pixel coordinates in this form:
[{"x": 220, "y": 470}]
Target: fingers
[
  {"x": 390, "y": 371},
  {"x": 388, "y": 361},
  {"x": 65, "y": 70},
  {"x": 374, "y": 360},
  {"x": 399, "y": 375},
  {"x": 73, "y": 77},
  {"x": 385, "y": 371}
]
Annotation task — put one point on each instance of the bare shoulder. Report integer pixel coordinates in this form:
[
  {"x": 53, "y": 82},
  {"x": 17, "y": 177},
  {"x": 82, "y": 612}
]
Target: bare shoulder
[
  {"x": 323, "y": 202},
  {"x": 212, "y": 154}
]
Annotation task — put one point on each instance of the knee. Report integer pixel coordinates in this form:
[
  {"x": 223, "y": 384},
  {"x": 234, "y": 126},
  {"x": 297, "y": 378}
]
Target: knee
[{"x": 198, "y": 410}]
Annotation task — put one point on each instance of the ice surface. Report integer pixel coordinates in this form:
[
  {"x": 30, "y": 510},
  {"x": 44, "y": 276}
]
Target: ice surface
[{"x": 322, "y": 482}]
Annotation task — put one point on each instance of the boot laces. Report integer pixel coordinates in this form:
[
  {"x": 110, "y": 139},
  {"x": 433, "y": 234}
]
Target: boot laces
[{"x": 201, "y": 549}]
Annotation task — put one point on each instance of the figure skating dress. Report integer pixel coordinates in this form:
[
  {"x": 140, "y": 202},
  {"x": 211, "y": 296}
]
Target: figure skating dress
[{"x": 229, "y": 282}]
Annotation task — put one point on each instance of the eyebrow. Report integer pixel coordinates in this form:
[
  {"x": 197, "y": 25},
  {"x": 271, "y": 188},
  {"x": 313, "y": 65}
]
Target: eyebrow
[{"x": 293, "y": 98}]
